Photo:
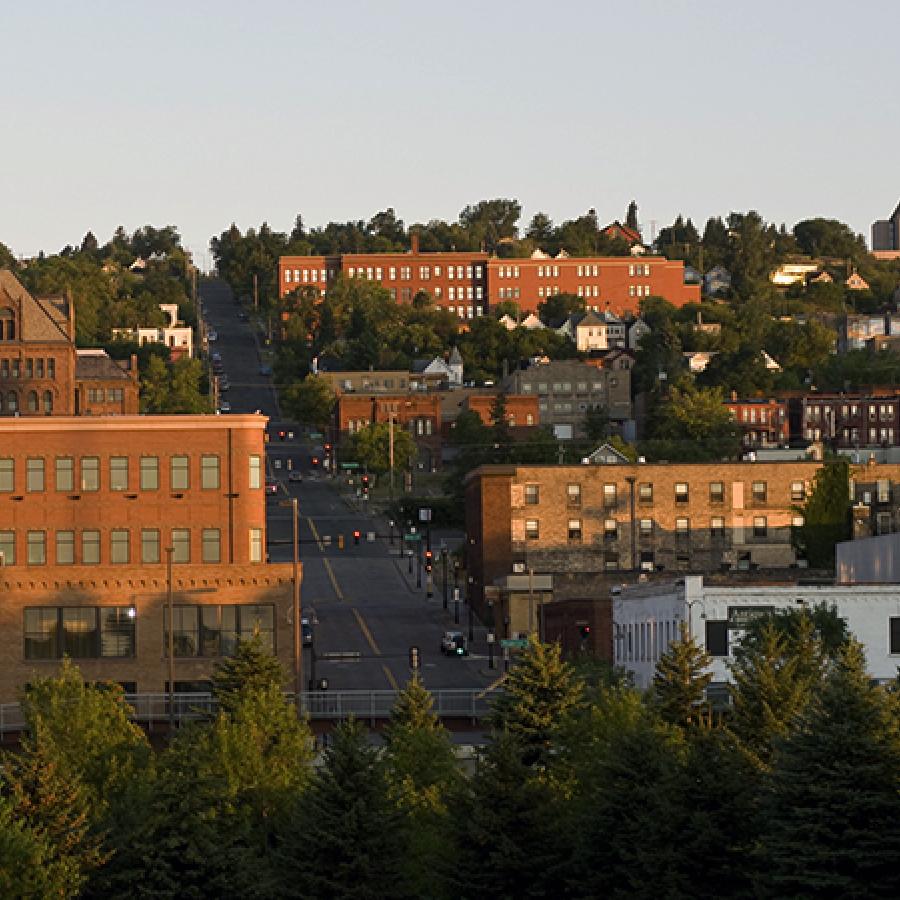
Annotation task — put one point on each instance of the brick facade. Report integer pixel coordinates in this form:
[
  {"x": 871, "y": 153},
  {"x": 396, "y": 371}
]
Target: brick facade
[{"x": 762, "y": 423}]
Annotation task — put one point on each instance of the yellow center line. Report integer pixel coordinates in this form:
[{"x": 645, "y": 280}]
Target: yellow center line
[
  {"x": 365, "y": 630},
  {"x": 390, "y": 677},
  {"x": 337, "y": 588},
  {"x": 315, "y": 533}
]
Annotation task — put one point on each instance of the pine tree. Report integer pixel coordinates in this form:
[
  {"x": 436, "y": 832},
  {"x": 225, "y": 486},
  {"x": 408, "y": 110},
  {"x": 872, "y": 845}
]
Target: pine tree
[
  {"x": 826, "y": 515},
  {"x": 509, "y": 841},
  {"x": 772, "y": 684},
  {"x": 679, "y": 685},
  {"x": 344, "y": 838},
  {"x": 832, "y": 807},
  {"x": 539, "y": 693},
  {"x": 251, "y": 668},
  {"x": 422, "y": 774}
]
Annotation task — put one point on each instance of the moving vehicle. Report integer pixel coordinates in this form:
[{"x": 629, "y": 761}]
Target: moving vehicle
[
  {"x": 295, "y": 476},
  {"x": 271, "y": 487},
  {"x": 307, "y": 631},
  {"x": 453, "y": 643}
]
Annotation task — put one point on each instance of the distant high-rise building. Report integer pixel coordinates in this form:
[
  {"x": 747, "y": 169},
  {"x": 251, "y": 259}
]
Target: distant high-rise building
[{"x": 886, "y": 233}]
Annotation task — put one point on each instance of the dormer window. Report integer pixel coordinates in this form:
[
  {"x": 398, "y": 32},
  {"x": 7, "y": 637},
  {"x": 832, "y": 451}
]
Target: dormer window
[{"x": 7, "y": 324}]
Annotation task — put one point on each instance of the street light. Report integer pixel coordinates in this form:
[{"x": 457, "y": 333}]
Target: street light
[{"x": 296, "y": 609}]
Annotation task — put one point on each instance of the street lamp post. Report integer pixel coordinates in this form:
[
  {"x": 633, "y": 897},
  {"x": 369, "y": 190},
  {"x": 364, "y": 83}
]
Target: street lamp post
[
  {"x": 444, "y": 575},
  {"x": 296, "y": 607},
  {"x": 170, "y": 606}
]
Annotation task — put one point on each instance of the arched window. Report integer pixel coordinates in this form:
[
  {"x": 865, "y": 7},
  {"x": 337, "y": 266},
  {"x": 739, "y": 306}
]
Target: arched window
[
  {"x": 12, "y": 402},
  {"x": 48, "y": 402},
  {"x": 7, "y": 325},
  {"x": 32, "y": 401}
]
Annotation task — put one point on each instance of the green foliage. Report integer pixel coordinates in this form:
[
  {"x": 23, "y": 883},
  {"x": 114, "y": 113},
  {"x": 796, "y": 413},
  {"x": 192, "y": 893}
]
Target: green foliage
[
  {"x": 826, "y": 515},
  {"x": 370, "y": 447},
  {"x": 344, "y": 837},
  {"x": 556, "y": 309},
  {"x": 828, "y": 237},
  {"x": 252, "y": 668},
  {"x": 310, "y": 401},
  {"x": 539, "y": 693},
  {"x": 833, "y": 800},
  {"x": 680, "y": 682}
]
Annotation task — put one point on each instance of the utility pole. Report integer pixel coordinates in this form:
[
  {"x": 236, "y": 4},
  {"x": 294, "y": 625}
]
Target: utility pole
[
  {"x": 391, "y": 452},
  {"x": 298, "y": 630},
  {"x": 255, "y": 292},
  {"x": 170, "y": 606}
]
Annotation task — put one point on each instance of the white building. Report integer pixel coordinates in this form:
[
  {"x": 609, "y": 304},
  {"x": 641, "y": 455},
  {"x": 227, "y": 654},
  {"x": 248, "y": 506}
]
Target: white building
[
  {"x": 177, "y": 336},
  {"x": 647, "y": 617}
]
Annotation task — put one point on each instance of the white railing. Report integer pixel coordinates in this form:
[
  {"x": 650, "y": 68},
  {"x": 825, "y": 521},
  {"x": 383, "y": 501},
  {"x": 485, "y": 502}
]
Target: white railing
[{"x": 460, "y": 703}]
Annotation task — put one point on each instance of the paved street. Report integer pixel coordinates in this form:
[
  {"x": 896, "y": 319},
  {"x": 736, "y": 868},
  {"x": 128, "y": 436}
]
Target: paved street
[{"x": 361, "y": 599}]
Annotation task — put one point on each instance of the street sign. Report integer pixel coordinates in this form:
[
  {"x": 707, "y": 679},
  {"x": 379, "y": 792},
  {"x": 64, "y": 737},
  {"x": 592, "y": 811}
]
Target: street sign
[
  {"x": 412, "y": 537},
  {"x": 513, "y": 643},
  {"x": 316, "y": 435},
  {"x": 349, "y": 465}
]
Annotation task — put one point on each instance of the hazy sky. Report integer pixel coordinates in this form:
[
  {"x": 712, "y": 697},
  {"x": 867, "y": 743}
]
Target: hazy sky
[{"x": 199, "y": 113}]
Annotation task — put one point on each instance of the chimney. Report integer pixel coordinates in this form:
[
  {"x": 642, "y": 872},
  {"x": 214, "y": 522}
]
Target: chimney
[
  {"x": 414, "y": 243},
  {"x": 134, "y": 365},
  {"x": 70, "y": 311}
]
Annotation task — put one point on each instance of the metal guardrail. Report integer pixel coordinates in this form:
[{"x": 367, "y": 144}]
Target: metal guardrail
[{"x": 462, "y": 703}]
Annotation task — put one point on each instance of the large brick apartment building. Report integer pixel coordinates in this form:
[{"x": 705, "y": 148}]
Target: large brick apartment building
[
  {"x": 88, "y": 508},
  {"x": 467, "y": 284},
  {"x": 41, "y": 371}
]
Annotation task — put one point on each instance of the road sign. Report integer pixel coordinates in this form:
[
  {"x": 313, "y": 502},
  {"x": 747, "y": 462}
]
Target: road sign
[
  {"x": 349, "y": 465},
  {"x": 412, "y": 537},
  {"x": 514, "y": 643},
  {"x": 316, "y": 435}
]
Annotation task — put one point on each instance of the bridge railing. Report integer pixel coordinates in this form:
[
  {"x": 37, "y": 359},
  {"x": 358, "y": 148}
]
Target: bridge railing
[{"x": 459, "y": 703}]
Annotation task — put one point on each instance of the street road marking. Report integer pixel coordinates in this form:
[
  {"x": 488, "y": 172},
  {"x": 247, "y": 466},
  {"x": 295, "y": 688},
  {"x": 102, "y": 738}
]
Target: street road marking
[
  {"x": 365, "y": 630},
  {"x": 315, "y": 533},
  {"x": 390, "y": 677},
  {"x": 337, "y": 590}
]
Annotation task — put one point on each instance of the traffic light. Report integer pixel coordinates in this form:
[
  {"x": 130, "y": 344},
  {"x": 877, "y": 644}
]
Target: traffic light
[
  {"x": 585, "y": 632},
  {"x": 365, "y": 486},
  {"x": 356, "y": 537},
  {"x": 414, "y": 658},
  {"x": 315, "y": 460},
  {"x": 327, "y": 447},
  {"x": 340, "y": 542},
  {"x": 429, "y": 559},
  {"x": 282, "y": 435}
]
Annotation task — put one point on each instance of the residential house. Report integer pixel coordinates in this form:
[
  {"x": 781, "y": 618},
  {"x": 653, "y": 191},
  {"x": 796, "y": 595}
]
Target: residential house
[
  {"x": 762, "y": 422},
  {"x": 717, "y": 281},
  {"x": 855, "y": 282},
  {"x": 178, "y": 337}
]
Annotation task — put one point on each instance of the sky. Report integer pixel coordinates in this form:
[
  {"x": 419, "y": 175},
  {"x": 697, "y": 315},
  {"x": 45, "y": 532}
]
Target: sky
[{"x": 200, "y": 113}]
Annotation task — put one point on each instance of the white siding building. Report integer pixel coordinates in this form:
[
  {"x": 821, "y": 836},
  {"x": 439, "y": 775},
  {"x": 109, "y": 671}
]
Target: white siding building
[{"x": 647, "y": 617}]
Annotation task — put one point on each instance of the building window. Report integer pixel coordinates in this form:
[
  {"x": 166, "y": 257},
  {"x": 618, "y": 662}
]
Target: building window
[
  {"x": 760, "y": 527},
  {"x": 532, "y": 530},
  {"x": 90, "y": 548},
  {"x": 34, "y": 474},
  {"x": 760, "y": 491},
  {"x": 118, "y": 473},
  {"x": 717, "y": 527},
  {"x": 610, "y": 529},
  {"x": 149, "y": 545},
  {"x": 532, "y": 494},
  {"x": 65, "y": 548},
  {"x": 682, "y": 527},
  {"x": 37, "y": 548},
  {"x": 209, "y": 472},
  {"x": 573, "y": 494},
  {"x": 7, "y": 548},
  {"x": 716, "y": 492},
  {"x": 48, "y": 403},
  {"x": 647, "y": 561},
  {"x": 90, "y": 473},
  {"x": 32, "y": 401},
  {"x": 609, "y": 496},
  {"x": 181, "y": 545},
  {"x": 211, "y": 550},
  {"x": 7, "y": 475},
  {"x": 217, "y": 630},
  {"x": 65, "y": 473},
  {"x": 646, "y": 528},
  {"x": 179, "y": 473},
  {"x": 149, "y": 473},
  {"x": 681, "y": 492},
  {"x": 798, "y": 491},
  {"x": 119, "y": 550},
  {"x": 256, "y": 545},
  {"x": 884, "y": 490},
  {"x": 894, "y": 634},
  {"x": 574, "y": 531},
  {"x": 717, "y": 637},
  {"x": 86, "y": 632},
  {"x": 255, "y": 472}
]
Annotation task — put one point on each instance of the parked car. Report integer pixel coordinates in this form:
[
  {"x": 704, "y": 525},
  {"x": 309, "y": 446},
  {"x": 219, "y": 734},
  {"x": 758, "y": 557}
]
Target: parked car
[
  {"x": 295, "y": 476},
  {"x": 271, "y": 487},
  {"x": 224, "y": 383},
  {"x": 243, "y": 317},
  {"x": 211, "y": 335},
  {"x": 453, "y": 643},
  {"x": 265, "y": 370},
  {"x": 224, "y": 406},
  {"x": 306, "y": 628}
]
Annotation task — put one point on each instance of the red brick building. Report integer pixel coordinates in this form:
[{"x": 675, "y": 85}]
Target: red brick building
[
  {"x": 521, "y": 411},
  {"x": 762, "y": 422},
  {"x": 466, "y": 284},
  {"x": 89, "y": 507},
  {"x": 42, "y": 373}
]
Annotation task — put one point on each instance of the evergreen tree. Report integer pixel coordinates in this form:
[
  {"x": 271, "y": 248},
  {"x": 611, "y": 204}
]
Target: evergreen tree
[
  {"x": 679, "y": 685},
  {"x": 773, "y": 682},
  {"x": 344, "y": 838},
  {"x": 509, "y": 841},
  {"x": 539, "y": 693},
  {"x": 422, "y": 774},
  {"x": 631, "y": 217},
  {"x": 57, "y": 808},
  {"x": 251, "y": 668},
  {"x": 826, "y": 515},
  {"x": 832, "y": 809}
]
